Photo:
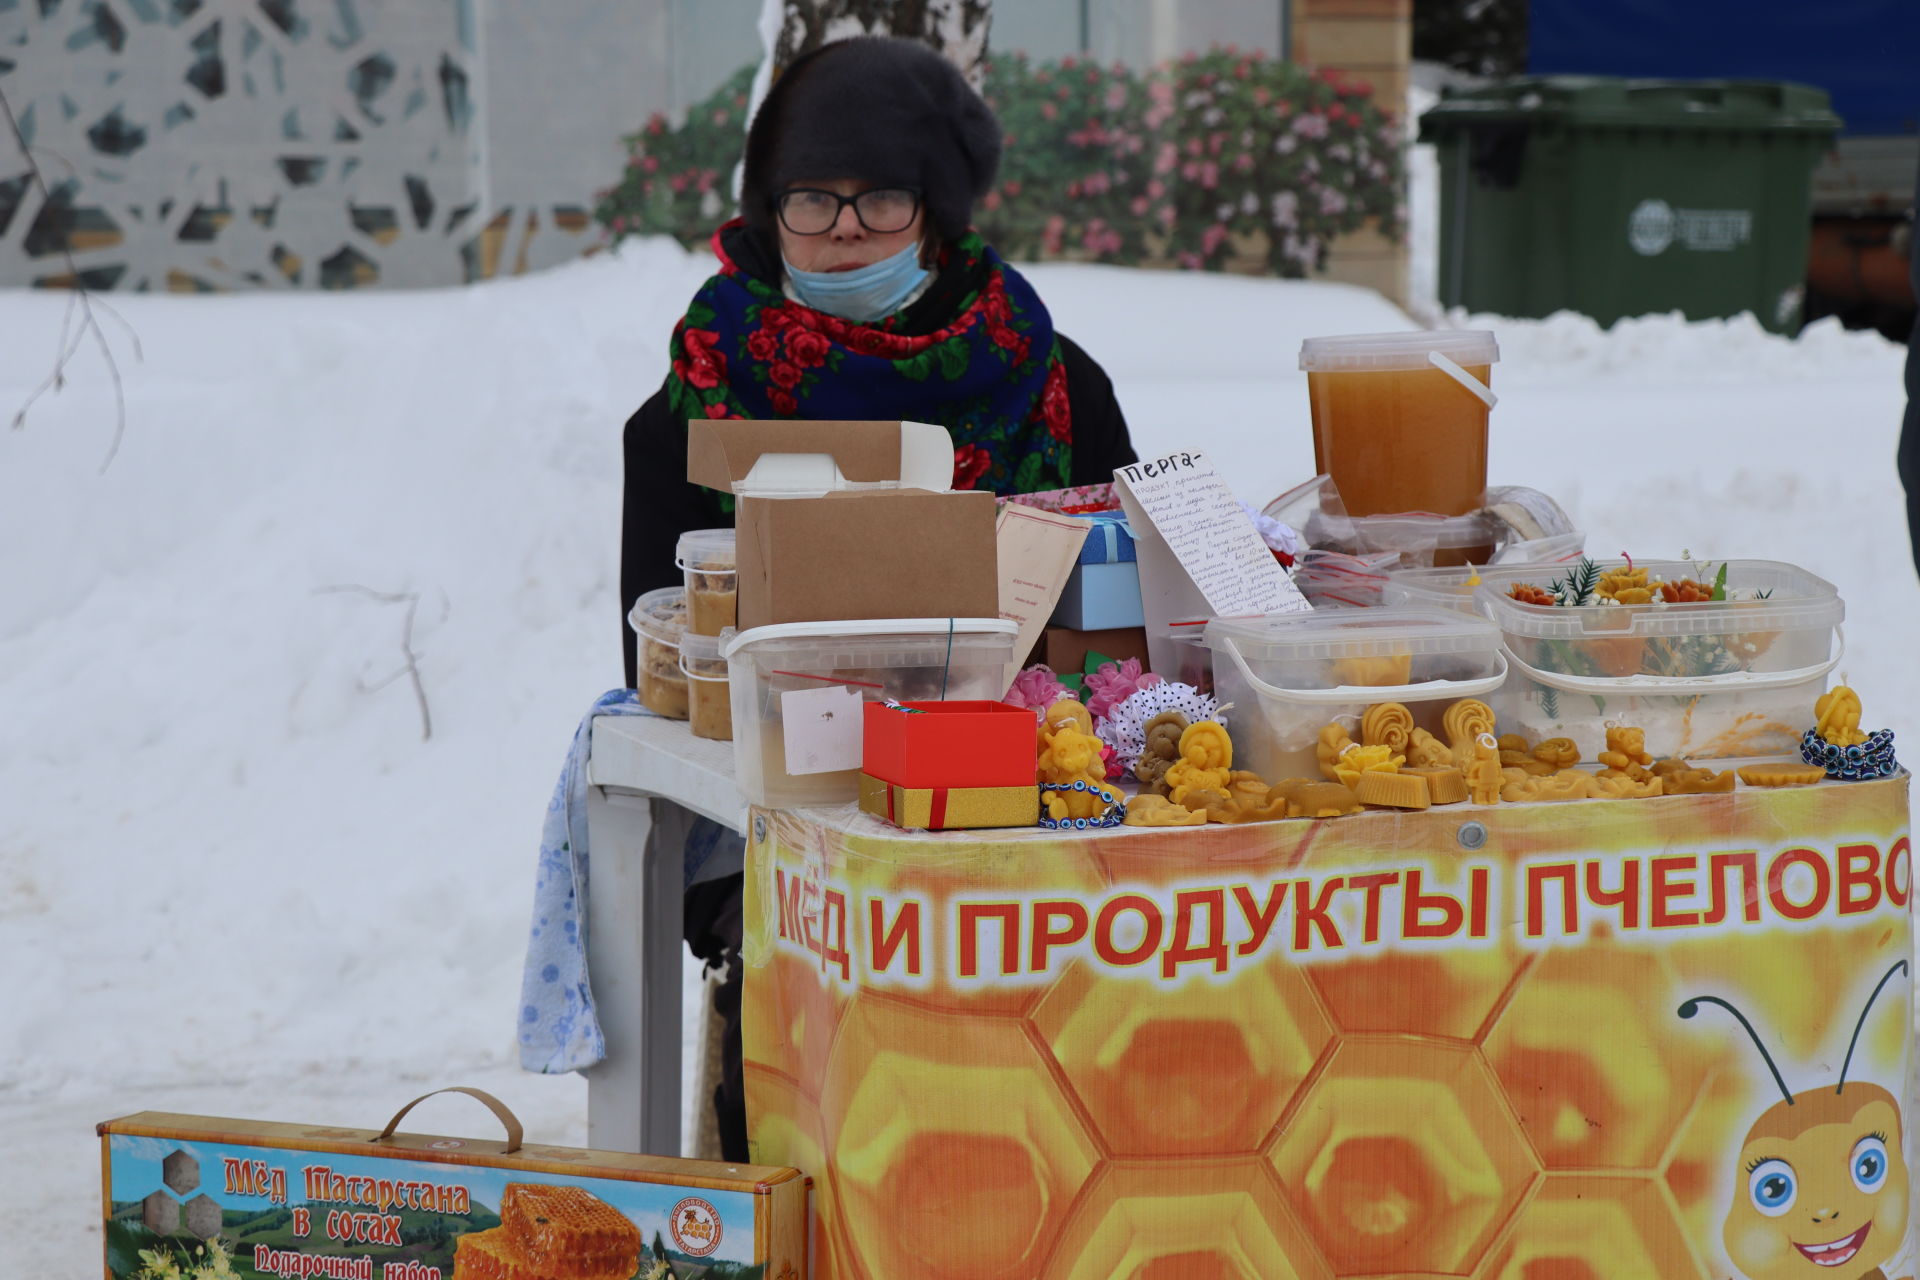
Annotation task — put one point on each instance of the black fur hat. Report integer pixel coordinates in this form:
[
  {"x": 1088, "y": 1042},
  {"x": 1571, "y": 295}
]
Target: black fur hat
[{"x": 878, "y": 109}]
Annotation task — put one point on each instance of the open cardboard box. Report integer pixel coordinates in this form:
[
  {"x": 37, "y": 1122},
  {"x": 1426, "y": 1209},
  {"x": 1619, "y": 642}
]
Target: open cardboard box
[{"x": 842, "y": 520}]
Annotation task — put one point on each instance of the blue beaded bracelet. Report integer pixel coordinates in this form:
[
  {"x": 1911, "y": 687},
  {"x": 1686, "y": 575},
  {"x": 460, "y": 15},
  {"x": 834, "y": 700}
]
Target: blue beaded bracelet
[
  {"x": 1860, "y": 762},
  {"x": 1115, "y": 815}
]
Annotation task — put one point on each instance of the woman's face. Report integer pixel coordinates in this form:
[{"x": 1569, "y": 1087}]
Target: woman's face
[{"x": 847, "y": 244}]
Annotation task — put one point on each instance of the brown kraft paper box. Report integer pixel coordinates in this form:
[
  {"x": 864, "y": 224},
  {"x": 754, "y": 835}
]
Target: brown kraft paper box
[
  {"x": 832, "y": 552},
  {"x": 1066, "y": 650}
]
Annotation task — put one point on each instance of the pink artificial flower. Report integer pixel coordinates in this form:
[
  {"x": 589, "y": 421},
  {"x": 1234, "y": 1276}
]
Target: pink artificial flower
[
  {"x": 1113, "y": 684},
  {"x": 1036, "y": 689}
]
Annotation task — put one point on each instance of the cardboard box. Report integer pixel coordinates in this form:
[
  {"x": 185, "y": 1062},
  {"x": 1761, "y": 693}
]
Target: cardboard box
[
  {"x": 950, "y": 808},
  {"x": 299, "y": 1200},
  {"x": 949, "y": 744},
  {"x": 841, "y": 520},
  {"x": 1065, "y": 649}
]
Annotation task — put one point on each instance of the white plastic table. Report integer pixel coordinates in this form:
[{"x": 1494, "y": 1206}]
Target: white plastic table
[{"x": 634, "y": 907}]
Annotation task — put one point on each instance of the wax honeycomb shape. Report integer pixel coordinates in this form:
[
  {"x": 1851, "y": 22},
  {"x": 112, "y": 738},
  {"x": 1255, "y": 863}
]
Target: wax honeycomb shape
[
  {"x": 1226, "y": 1221},
  {"x": 1598, "y": 1069},
  {"x": 181, "y": 1173},
  {"x": 160, "y": 1213},
  {"x": 1190, "y": 1069},
  {"x": 568, "y": 1230},
  {"x": 1578, "y": 1226},
  {"x": 1403, "y": 1157},
  {"x": 203, "y": 1216},
  {"x": 930, "y": 1148}
]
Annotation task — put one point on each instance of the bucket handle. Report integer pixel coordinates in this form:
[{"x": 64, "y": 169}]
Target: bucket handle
[
  {"x": 1447, "y": 366},
  {"x": 1426, "y": 691},
  {"x": 1727, "y": 682}
]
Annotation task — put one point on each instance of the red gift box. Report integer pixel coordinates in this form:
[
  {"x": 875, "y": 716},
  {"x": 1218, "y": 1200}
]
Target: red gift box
[{"x": 950, "y": 744}]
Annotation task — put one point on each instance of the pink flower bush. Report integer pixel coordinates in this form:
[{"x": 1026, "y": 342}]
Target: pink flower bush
[{"x": 1196, "y": 162}]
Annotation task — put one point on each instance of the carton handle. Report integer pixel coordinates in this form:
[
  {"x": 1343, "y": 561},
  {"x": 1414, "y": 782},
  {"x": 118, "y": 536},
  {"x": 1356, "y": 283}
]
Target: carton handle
[
  {"x": 499, "y": 1108},
  {"x": 1465, "y": 379},
  {"x": 1425, "y": 691}
]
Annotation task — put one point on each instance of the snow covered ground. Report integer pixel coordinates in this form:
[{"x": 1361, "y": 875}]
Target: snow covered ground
[{"x": 233, "y": 877}]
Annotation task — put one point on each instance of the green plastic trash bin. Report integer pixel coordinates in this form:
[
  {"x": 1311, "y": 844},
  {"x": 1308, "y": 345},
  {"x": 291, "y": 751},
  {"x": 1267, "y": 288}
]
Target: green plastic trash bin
[{"x": 1621, "y": 197}]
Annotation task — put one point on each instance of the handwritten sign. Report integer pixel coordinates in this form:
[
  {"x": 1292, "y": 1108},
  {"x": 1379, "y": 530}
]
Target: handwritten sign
[
  {"x": 824, "y": 729},
  {"x": 1202, "y": 524}
]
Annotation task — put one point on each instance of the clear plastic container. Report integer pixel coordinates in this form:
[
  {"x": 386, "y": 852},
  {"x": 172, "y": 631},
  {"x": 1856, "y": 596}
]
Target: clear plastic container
[
  {"x": 709, "y": 696},
  {"x": 1289, "y": 675},
  {"x": 1706, "y": 680},
  {"x": 659, "y": 620},
  {"x": 706, "y": 557},
  {"x": 907, "y": 659}
]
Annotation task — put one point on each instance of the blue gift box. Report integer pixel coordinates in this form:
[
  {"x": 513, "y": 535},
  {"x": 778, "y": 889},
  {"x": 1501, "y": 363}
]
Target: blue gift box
[{"x": 1104, "y": 588}]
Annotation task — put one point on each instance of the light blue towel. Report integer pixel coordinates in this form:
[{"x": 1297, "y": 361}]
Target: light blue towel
[
  {"x": 558, "y": 1027},
  {"x": 559, "y": 1030}
]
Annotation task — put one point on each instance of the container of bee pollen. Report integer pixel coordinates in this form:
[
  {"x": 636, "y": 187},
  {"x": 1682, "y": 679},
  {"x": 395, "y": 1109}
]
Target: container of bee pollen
[
  {"x": 709, "y": 697},
  {"x": 659, "y": 620},
  {"x": 706, "y": 557}
]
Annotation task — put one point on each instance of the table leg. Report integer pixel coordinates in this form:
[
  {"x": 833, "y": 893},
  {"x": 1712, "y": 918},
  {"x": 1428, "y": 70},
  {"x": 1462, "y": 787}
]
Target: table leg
[{"x": 634, "y": 909}]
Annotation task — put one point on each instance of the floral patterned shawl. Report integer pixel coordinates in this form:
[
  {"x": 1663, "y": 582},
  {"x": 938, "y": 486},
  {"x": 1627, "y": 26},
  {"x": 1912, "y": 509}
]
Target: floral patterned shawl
[{"x": 992, "y": 375}]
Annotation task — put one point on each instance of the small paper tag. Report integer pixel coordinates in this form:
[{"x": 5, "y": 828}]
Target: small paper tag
[{"x": 823, "y": 729}]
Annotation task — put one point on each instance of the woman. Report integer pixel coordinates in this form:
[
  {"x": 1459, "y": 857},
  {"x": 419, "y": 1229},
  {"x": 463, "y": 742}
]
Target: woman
[{"x": 851, "y": 287}]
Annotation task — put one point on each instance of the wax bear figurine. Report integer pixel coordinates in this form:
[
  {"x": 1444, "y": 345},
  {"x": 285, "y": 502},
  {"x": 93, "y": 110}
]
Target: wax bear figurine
[
  {"x": 1162, "y": 734},
  {"x": 1626, "y": 754}
]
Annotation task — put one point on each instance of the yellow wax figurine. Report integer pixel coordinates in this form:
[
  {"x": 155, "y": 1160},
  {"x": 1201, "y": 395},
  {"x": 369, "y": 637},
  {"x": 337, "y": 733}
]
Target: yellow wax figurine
[
  {"x": 1075, "y": 757},
  {"x": 1561, "y": 753},
  {"x": 1837, "y": 717},
  {"x": 1333, "y": 742},
  {"x": 1158, "y": 811},
  {"x": 1424, "y": 751},
  {"x": 1463, "y": 724},
  {"x": 1483, "y": 771},
  {"x": 1626, "y": 754},
  {"x": 1393, "y": 668},
  {"x": 1205, "y": 763}
]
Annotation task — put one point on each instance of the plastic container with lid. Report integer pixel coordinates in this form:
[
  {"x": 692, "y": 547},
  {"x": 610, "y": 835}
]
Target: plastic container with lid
[
  {"x": 1289, "y": 675},
  {"x": 1710, "y": 679},
  {"x": 709, "y": 696},
  {"x": 1400, "y": 419},
  {"x": 659, "y": 621},
  {"x": 706, "y": 557},
  {"x": 906, "y": 659}
]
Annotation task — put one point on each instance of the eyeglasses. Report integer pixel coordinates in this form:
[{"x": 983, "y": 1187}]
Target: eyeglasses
[{"x": 809, "y": 211}]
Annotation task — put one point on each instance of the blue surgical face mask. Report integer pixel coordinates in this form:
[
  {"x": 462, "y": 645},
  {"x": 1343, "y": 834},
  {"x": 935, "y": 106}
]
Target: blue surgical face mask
[{"x": 864, "y": 294}]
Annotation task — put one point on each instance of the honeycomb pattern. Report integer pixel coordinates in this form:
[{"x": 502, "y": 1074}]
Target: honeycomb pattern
[
  {"x": 181, "y": 1173},
  {"x": 1489, "y": 1113}
]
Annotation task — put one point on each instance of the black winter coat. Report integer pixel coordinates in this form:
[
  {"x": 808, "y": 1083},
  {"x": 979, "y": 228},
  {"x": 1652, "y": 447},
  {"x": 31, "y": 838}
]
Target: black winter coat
[
  {"x": 1910, "y": 433},
  {"x": 660, "y": 504}
]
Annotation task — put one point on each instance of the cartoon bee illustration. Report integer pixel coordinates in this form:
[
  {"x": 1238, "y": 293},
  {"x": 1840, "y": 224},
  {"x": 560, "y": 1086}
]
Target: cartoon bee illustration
[{"x": 1822, "y": 1186}]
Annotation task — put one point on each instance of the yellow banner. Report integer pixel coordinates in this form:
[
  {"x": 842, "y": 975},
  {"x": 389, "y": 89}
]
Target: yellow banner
[{"x": 1655, "y": 1038}]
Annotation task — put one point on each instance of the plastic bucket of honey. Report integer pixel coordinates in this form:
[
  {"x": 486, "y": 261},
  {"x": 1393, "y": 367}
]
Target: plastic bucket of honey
[{"x": 1400, "y": 419}]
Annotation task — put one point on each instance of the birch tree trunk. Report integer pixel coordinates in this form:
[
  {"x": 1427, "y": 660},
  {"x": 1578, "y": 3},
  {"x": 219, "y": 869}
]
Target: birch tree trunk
[{"x": 957, "y": 28}]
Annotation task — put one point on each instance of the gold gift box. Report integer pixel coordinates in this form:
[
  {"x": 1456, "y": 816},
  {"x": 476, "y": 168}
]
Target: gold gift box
[{"x": 949, "y": 808}]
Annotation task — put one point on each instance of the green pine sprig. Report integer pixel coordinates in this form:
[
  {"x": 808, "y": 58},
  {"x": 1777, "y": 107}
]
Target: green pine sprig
[{"x": 1577, "y": 587}]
